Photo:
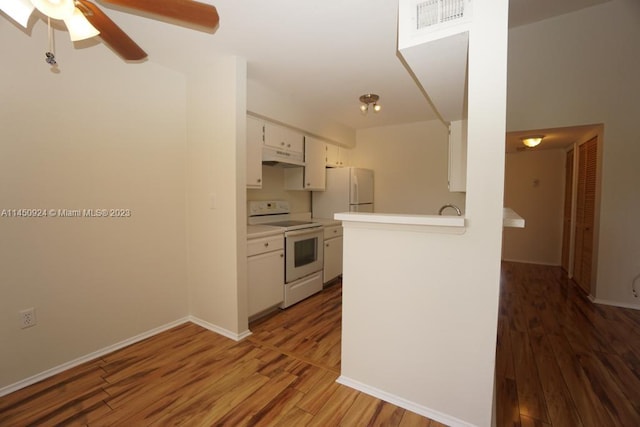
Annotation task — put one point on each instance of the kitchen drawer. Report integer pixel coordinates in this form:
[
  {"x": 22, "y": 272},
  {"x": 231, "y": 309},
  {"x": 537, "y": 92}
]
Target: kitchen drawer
[
  {"x": 265, "y": 244},
  {"x": 332, "y": 231}
]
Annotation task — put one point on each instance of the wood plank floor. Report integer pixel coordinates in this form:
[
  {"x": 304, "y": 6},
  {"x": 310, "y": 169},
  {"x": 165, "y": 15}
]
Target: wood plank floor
[
  {"x": 562, "y": 360},
  {"x": 283, "y": 375}
]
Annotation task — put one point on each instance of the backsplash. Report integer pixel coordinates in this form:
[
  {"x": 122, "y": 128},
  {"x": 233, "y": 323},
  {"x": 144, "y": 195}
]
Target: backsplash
[{"x": 273, "y": 189}]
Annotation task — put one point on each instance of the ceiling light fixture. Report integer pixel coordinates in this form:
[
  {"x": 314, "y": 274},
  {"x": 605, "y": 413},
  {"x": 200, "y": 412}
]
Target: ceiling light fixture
[
  {"x": 56, "y": 9},
  {"x": 370, "y": 98},
  {"x": 78, "y": 26},
  {"x": 532, "y": 141},
  {"x": 18, "y": 10}
]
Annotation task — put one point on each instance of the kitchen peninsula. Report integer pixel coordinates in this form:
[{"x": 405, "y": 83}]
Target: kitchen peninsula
[{"x": 406, "y": 283}]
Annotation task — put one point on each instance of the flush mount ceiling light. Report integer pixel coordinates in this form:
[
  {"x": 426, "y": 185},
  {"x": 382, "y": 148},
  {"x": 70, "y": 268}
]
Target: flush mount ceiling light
[
  {"x": 532, "y": 140},
  {"x": 370, "y": 98}
]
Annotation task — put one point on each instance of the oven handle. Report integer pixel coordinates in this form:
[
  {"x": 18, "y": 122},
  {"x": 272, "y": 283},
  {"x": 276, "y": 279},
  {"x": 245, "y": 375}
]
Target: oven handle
[{"x": 303, "y": 232}]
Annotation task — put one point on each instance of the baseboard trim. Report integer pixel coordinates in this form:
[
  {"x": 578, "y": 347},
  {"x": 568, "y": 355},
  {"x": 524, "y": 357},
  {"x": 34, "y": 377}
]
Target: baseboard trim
[
  {"x": 403, "y": 403},
  {"x": 87, "y": 358},
  {"x": 520, "y": 261},
  {"x": 219, "y": 330},
  {"x": 614, "y": 303}
]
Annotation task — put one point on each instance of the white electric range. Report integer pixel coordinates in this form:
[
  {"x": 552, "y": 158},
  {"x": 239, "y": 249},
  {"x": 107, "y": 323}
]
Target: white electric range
[{"x": 303, "y": 263}]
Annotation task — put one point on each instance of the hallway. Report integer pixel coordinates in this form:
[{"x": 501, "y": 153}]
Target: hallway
[{"x": 562, "y": 360}]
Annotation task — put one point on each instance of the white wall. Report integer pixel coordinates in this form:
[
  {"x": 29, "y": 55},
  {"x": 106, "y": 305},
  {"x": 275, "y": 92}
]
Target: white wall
[
  {"x": 278, "y": 107},
  {"x": 99, "y": 134},
  {"x": 411, "y": 167},
  {"x": 582, "y": 68},
  {"x": 420, "y": 308},
  {"x": 216, "y": 195},
  {"x": 534, "y": 188}
]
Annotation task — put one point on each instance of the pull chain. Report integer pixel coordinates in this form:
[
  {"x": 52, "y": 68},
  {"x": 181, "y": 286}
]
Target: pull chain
[{"x": 50, "y": 56}]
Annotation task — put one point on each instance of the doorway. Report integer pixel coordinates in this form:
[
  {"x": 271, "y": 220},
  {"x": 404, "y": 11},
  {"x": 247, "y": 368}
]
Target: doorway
[{"x": 555, "y": 187}]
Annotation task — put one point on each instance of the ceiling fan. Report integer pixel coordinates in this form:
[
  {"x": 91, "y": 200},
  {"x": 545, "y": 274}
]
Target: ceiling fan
[{"x": 78, "y": 13}]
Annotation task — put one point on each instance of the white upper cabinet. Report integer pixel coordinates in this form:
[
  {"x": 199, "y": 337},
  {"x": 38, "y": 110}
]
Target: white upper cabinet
[
  {"x": 336, "y": 156},
  {"x": 311, "y": 177},
  {"x": 283, "y": 138},
  {"x": 458, "y": 156},
  {"x": 315, "y": 174},
  {"x": 255, "y": 140}
]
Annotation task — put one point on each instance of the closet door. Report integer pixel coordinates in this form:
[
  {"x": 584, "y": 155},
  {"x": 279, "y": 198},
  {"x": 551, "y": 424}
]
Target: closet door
[
  {"x": 566, "y": 221},
  {"x": 585, "y": 213}
]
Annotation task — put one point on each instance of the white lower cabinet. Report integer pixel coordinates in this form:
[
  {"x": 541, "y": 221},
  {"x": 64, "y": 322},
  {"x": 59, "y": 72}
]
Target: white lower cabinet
[
  {"x": 265, "y": 273},
  {"x": 332, "y": 252}
]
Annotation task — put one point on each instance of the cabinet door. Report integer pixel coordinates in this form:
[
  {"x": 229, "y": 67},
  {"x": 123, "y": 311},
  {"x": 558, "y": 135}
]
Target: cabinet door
[
  {"x": 332, "y": 156},
  {"x": 337, "y": 157},
  {"x": 283, "y": 138},
  {"x": 458, "y": 156},
  {"x": 332, "y": 258},
  {"x": 265, "y": 274},
  {"x": 315, "y": 172},
  {"x": 344, "y": 157},
  {"x": 294, "y": 140},
  {"x": 255, "y": 139}
]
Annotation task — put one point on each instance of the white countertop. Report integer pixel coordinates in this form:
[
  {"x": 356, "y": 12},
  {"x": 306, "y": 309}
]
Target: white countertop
[
  {"x": 402, "y": 219},
  {"x": 510, "y": 219},
  {"x": 327, "y": 222}
]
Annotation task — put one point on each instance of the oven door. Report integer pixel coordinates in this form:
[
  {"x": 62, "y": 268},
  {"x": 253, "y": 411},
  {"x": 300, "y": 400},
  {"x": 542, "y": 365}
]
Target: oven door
[{"x": 303, "y": 252}]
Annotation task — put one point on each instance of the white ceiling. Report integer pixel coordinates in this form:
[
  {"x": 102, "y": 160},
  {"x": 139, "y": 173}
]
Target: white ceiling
[{"x": 322, "y": 55}]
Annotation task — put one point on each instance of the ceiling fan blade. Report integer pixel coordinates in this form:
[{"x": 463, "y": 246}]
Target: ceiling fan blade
[
  {"x": 189, "y": 11},
  {"x": 110, "y": 33}
]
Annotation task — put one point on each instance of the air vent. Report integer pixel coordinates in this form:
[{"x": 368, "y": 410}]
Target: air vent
[{"x": 434, "y": 12}]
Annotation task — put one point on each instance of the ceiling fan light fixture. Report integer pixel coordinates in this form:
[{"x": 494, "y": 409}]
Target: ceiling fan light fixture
[
  {"x": 56, "y": 9},
  {"x": 532, "y": 141},
  {"x": 18, "y": 10},
  {"x": 79, "y": 27}
]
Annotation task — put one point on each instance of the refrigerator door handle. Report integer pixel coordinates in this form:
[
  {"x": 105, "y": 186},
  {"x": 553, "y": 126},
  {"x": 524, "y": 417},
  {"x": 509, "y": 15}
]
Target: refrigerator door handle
[{"x": 354, "y": 193}]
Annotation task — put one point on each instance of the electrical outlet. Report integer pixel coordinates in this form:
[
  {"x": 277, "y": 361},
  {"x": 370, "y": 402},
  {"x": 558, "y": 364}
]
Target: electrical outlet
[{"x": 28, "y": 318}]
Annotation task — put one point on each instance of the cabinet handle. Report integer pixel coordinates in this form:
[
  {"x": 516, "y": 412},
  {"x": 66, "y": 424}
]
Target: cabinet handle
[
  {"x": 266, "y": 244},
  {"x": 281, "y": 255},
  {"x": 308, "y": 184},
  {"x": 288, "y": 145},
  {"x": 259, "y": 180},
  {"x": 282, "y": 143},
  {"x": 335, "y": 231},
  {"x": 327, "y": 245}
]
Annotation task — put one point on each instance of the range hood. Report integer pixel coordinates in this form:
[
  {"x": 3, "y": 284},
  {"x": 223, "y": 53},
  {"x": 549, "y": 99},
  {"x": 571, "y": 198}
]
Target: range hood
[{"x": 285, "y": 159}]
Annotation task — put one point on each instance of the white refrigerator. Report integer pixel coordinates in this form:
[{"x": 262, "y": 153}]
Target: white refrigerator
[{"x": 347, "y": 190}]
